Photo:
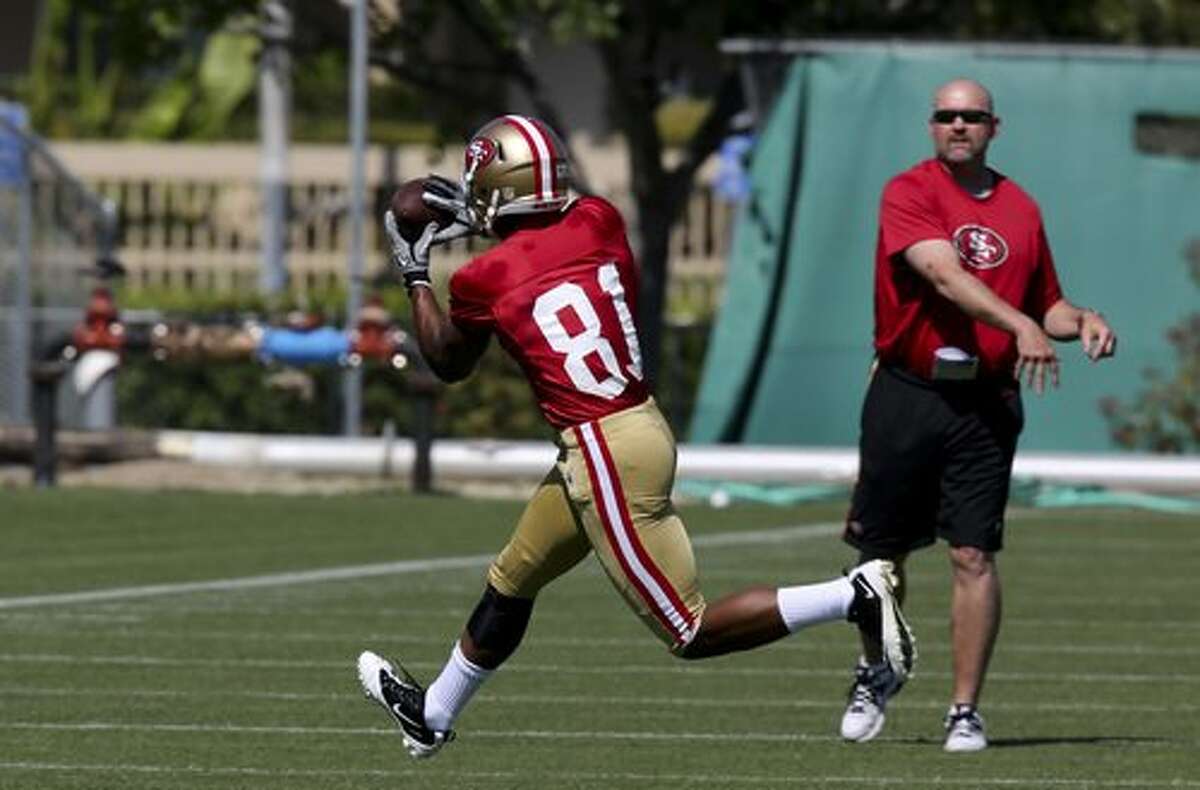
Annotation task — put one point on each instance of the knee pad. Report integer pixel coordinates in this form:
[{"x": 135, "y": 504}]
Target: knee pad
[
  {"x": 866, "y": 556},
  {"x": 499, "y": 622}
]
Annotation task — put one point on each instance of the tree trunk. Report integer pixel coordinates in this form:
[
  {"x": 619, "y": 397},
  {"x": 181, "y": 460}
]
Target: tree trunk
[{"x": 654, "y": 255}]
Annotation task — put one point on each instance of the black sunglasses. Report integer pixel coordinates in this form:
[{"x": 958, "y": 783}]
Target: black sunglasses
[{"x": 968, "y": 116}]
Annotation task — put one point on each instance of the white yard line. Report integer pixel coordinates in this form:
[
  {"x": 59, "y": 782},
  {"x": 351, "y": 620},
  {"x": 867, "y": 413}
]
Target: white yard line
[
  {"x": 547, "y": 735},
  {"x": 247, "y": 582},
  {"x": 132, "y": 614},
  {"x": 664, "y": 668},
  {"x": 604, "y": 777},
  {"x": 584, "y": 643},
  {"x": 738, "y": 538},
  {"x": 593, "y": 701}
]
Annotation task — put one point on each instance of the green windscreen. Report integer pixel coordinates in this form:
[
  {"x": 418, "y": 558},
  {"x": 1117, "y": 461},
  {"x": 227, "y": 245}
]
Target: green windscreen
[{"x": 791, "y": 349}]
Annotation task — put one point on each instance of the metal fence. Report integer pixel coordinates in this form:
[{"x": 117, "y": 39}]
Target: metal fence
[
  {"x": 55, "y": 233},
  {"x": 187, "y": 218},
  {"x": 189, "y": 215}
]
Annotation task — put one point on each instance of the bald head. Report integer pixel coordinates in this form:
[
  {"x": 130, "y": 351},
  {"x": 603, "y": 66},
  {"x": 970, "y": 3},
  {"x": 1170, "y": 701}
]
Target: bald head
[
  {"x": 962, "y": 126},
  {"x": 963, "y": 92}
]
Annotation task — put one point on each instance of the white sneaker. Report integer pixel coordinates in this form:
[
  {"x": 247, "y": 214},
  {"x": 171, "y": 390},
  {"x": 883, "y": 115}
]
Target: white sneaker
[
  {"x": 873, "y": 686},
  {"x": 964, "y": 729},
  {"x": 877, "y": 613}
]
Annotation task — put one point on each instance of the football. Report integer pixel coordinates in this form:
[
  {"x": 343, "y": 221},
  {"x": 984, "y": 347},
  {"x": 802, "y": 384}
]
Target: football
[{"x": 411, "y": 212}]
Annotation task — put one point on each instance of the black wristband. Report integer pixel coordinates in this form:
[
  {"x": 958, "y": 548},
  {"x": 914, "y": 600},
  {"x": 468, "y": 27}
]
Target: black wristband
[{"x": 414, "y": 278}]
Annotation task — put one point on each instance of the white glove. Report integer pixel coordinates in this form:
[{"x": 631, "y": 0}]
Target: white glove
[
  {"x": 445, "y": 195},
  {"x": 410, "y": 257}
]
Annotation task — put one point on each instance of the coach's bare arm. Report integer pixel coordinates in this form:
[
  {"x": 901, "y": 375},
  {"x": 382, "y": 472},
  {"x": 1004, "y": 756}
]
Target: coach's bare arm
[
  {"x": 1065, "y": 321},
  {"x": 937, "y": 262}
]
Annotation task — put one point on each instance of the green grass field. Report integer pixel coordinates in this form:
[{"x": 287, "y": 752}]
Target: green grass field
[{"x": 154, "y": 676}]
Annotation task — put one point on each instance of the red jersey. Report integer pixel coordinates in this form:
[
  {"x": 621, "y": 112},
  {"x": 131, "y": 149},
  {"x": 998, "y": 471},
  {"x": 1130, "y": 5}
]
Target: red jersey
[
  {"x": 999, "y": 239},
  {"x": 562, "y": 300}
]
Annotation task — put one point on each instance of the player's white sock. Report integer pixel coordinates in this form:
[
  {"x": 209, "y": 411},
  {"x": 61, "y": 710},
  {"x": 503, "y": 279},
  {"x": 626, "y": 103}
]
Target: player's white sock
[
  {"x": 449, "y": 694},
  {"x": 809, "y": 604}
]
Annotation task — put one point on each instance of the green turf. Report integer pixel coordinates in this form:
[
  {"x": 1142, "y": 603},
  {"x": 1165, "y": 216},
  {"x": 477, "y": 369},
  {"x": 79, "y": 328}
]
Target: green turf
[{"x": 1094, "y": 684}]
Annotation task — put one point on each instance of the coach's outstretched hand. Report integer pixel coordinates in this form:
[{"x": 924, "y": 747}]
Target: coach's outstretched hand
[{"x": 1097, "y": 336}]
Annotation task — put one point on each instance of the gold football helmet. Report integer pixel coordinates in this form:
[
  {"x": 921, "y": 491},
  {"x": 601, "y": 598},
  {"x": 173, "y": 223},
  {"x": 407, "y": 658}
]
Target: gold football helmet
[{"x": 514, "y": 165}]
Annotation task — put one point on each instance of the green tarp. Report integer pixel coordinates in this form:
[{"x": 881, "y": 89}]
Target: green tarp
[{"x": 789, "y": 355}]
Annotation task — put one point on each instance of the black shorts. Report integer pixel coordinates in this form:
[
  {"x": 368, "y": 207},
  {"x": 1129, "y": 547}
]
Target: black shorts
[{"x": 935, "y": 459}]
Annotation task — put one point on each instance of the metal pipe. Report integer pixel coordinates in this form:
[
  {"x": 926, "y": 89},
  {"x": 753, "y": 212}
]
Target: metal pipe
[
  {"x": 1001, "y": 49},
  {"x": 22, "y": 316},
  {"x": 352, "y": 377},
  {"x": 273, "y": 101}
]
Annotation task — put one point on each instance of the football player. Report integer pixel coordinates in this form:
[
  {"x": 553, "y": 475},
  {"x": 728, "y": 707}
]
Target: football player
[{"x": 559, "y": 293}]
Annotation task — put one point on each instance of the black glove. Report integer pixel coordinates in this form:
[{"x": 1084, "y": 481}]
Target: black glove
[
  {"x": 445, "y": 195},
  {"x": 410, "y": 257}
]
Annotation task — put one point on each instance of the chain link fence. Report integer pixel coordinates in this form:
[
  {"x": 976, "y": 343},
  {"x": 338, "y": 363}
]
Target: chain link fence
[{"x": 56, "y": 242}]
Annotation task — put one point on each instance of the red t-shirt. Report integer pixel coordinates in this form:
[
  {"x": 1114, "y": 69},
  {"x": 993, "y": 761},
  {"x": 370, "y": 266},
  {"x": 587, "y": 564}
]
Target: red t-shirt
[
  {"x": 562, "y": 300},
  {"x": 999, "y": 239}
]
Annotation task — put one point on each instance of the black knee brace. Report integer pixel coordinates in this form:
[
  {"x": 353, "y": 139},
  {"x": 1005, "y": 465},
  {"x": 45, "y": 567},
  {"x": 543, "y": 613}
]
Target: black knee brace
[
  {"x": 498, "y": 624},
  {"x": 866, "y": 556}
]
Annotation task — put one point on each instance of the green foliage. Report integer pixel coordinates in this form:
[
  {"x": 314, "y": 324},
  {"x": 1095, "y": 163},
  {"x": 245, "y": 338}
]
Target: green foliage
[
  {"x": 685, "y": 344},
  {"x": 163, "y": 113},
  {"x": 238, "y": 396},
  {"x": 200, "y": 98},
  {"x": 145, "y": 68},
  {"x": 226, "y": 77},
  {"x": 564, "y": 21},
  {"x": 496, "y": 401},
  {"x": 679, "y": 118},
  {"x": 166, "y": 70},
  {"x": 174, "y": 70},
  {"x": 248, "y": 396},
  {"x": 1165, "y": 416},
  {"x": 216, "y": 304}
]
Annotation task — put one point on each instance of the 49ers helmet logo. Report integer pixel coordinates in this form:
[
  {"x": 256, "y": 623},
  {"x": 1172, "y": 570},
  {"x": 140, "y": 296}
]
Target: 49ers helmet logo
[
  {"x": 980, "y": 247},
  {"x": 480, "y": 153}
]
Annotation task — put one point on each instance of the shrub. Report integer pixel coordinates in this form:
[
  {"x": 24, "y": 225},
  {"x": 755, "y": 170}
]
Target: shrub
[
  {"x": 249, "y": 396},
  {"x": 1165, "y": 416}
]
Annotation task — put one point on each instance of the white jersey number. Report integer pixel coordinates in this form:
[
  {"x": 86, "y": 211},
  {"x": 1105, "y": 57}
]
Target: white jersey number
[{"x": 576, "y": 347}]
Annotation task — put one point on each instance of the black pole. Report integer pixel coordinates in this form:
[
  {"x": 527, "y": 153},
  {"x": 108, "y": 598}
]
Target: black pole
[
  {"x": 423, "y": 387},
  {"x": 422, "y": 473},
  {"x": 45, "y": 377}
]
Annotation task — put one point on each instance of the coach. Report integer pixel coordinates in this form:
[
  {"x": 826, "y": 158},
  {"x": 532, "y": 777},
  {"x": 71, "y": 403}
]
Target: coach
[{"x": 966, "y": 302}]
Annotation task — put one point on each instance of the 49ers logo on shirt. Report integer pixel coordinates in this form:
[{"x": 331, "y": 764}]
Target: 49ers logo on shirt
[{"x": 980, "y": 247}]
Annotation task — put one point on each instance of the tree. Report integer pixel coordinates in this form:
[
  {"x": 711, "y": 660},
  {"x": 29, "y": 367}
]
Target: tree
[
  {"x": 639, "y": 44},
  {"x": 141, "y": 68},
  {"x": 458, "y": 56}
]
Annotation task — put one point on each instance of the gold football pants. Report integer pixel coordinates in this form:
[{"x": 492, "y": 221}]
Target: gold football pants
[{"x": 611, "y": 491}]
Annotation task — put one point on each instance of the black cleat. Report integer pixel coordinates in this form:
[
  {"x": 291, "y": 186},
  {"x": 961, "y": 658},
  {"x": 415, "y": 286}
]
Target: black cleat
[
  {"x": 403, "y": 698},
  {"x": 877, "y": 614}
]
